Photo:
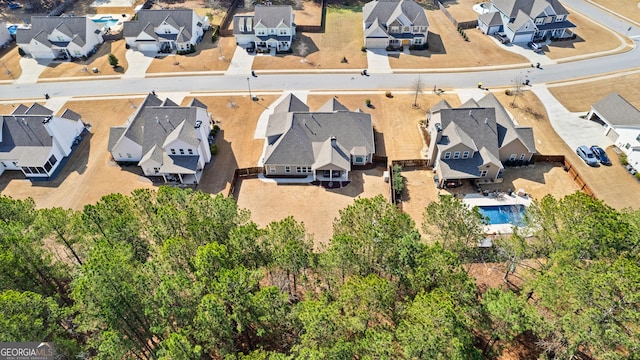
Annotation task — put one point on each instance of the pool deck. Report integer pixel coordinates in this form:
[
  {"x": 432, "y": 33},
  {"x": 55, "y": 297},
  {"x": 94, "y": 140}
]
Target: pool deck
[{"x": 496, "y": 199}]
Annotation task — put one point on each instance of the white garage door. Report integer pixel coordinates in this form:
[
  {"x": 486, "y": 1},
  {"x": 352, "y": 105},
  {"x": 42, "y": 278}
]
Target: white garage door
[
  {"x": 148, "y": 47},
  {"x": 523, "y": 38},
  {"x": 43, "y": 54},
  {"x": 376, "y": 43}
]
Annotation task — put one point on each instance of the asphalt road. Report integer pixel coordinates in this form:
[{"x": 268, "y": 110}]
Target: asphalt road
[{"x": 346, "y": 82}]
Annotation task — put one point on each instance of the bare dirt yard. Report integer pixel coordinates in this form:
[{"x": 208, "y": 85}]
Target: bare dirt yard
[
  {"x": 237, "y": 117},
  {"x": 591, "y": 38},
  {"x": 342, "y": 40},
  {"x": 90, "y": 173},
  {"x": 315, "y": 206},
  {"x": 462, "y": 10},
  {"x": 208, "y": 57},
  {"x": 305, "y": 12},
  {"x": 579, "y": 95},
  {"x": 84, "y": 68},
  {"x": 395, "y": 120},
  {"x": 627, "y": 8},
  {"x": 10, "y": 63},
  {"x": 447, "y": 49}
]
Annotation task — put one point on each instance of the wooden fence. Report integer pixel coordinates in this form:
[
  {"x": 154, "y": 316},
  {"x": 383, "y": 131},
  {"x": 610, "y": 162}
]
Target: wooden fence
[
  {"x": 575, "y": 175},
  {"x": 548, "y": 158},
  {"x": 458, "y": 24},
  {"x": 245, "y": 173},
  {"x": 415, "y": 163}
]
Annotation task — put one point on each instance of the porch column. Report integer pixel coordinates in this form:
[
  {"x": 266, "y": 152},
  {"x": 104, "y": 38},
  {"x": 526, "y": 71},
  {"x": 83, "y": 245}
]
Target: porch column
[
  {"x": 164, "y": 176},
  {"x": 180, "y": 177}
]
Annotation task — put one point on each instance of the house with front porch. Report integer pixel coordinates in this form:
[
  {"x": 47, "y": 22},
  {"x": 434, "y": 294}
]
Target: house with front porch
[
  {"x": 35, "y": 141},
  {"x": 523, "y": 21},
  {"x": 59, "y": 38},
  {"x": 165, "y": 140},
  {"x": 270, "y": 27},
  {"x": 394, "y": 23},
  {"x": 621, "y": 122},
  {"x": 475, "y": 141},
  {"x": 320, "y": 146},
  {"x": 165, "y": 30}
]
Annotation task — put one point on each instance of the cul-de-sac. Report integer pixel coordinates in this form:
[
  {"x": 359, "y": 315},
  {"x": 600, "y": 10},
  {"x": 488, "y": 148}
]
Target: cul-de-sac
[{"x": 319, "y": 179}]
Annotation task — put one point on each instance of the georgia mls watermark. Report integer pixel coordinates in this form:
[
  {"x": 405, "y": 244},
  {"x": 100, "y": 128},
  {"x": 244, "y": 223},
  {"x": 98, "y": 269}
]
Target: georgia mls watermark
[{"x": 26, "y": 351}]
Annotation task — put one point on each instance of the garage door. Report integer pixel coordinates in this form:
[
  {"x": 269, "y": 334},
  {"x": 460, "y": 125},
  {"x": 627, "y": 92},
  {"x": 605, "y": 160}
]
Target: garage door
[
  {"x": 376, "y": 43},
  {"x": 523, "y": 38},
  {"x": 613, "y": 135},
  {"x": 42, "y": 54},
  {"x": 148, "y": 47}
]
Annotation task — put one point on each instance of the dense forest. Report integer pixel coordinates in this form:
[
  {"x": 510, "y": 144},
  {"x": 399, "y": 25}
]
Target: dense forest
[{"x": 179, "y": 274}]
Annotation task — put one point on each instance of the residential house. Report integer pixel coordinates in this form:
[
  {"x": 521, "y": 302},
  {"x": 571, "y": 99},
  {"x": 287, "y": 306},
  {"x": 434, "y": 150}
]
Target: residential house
[
  {"x": 165, "y": 30},
  {"x": 523, "y": 21},
  {"x": 270, "y": 27},
  {"x": 59, "y": 38},
  {"x": 165, "y": 139},
  {"x": 35, "y": 141},
  {"x": 621, "y": 122},
  {"x": 5, "y": 36},
  {"x": 394, "y": 23},
  {"x": 317, "y": 146},
  {"x": 475, "y": 141}
]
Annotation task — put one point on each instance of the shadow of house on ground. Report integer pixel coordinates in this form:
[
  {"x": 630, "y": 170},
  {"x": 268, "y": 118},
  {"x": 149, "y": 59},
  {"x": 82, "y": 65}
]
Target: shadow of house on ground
[
  {"x": 564, "y": 44},
  {"x": 379, "y": 143},
  {"x": 218, "y": 173},
  {"x": 303, "y": 46},
  {"x": 77, "y": 162}
]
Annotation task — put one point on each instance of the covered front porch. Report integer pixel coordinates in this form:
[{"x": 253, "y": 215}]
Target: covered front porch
[{"x": 180, "y": 169}]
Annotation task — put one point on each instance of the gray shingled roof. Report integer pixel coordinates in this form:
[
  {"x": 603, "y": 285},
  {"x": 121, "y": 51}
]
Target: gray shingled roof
[
  {"x": 617, "y": 111},
  {"x": 532, "y": 8},
  {"x": 507, "y": 130},
  {"x": 290, "y": 103},
  {"x": 491, "y": 18},
  {"x": 173, "y": 164},
  {"x": 115, "y": 133},
  {"x": 175, "y": 17},
  {"x": 332, "y": 105},
  {"x": 25, "y": 137},
  {"x": 387, "y": 11},
  {"x": 68, "y": 25},
  {"x": 271, "y": 16}
]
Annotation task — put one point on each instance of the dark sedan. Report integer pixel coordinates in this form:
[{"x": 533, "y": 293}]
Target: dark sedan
[{"x": 601, "y": 155}]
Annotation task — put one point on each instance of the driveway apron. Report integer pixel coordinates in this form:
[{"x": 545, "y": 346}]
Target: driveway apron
[
  {"x": 138, "y": 64},
  {"x": 378, "y": 62},
  {"x": 31, "y": 70}
]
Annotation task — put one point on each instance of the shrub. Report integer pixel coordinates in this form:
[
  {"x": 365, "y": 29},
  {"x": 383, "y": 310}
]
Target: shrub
[
  {"x": 214, "y": 149},
  {"x": 398, "y": 181},
  {"x": 388, "y": 94},
  {"x": 368, "y": 102},
  {"x": 637, "y": 175},
  {"x": 623, "y": 159},
  {"x": 214, "y": 36},
  {"x": 344, "y": 60},
  {"x": 508, "y": 92},
  {"x": 113, "y": 60},
  {"x": 363, "y": 48}
]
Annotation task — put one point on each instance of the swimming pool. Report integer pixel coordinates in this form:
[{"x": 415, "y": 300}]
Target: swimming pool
[
  {"x": 503, "y": 214},
  {"x": 106, "y": 22}
]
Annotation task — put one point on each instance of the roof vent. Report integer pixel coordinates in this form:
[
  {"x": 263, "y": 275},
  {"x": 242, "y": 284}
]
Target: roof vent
[
  {"x": 198, "y": 123},
  {"x": 46, "y": 119}
]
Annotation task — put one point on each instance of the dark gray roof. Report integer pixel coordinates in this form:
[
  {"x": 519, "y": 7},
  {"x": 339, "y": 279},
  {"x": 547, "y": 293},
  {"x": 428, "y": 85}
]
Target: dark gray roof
[
  {"x": 387, "y": 11},
  {"x": 332, "y": 105},
  {"x": 491, "y": 18},
  {"x": 174, "y": 17},
  {"x": 179, "y": 164},
  {"x": 25, "y": 137},
  {"x": 617, "y": 111},
  {"x": 197, "y": 103},
  {"x": 290, "y": 103},
  {"x": 507, "y": 130},
  {"x": 296, "y": 146},
  {"x": 69, "y": 114},
  {"x": 115, "y": 133},
  {"x": 271, "y": 16},
  {"x": 73, "y": 25},
  {"x": 532, "y": 8},
  {"x": 243, "y": 20}
]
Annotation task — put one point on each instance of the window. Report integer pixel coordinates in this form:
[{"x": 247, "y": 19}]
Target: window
[
  {"x": 638, "y": 138},
  {"x": 522, "y": 156},
  {"x": 26, "y": 170},
  {"x": 53, "y": 160},
  {"x": 190, "y": 151},
  {"x": 416, "y": 29},
  {"x": 539, "y": 21},
  {"x": 287, "y": 169},
  {"x": 456, "y": 155},
  {"x": 406, "y": 29},
  {"x": 181, "y": 151},
  {"x": 359, "y": 159},
  {"x": 417, "y": 41},
  {"x": 447, "y": 155},
  {"x": 283, "y": 31},
  {"x": 303, "y": 169},
  {"x": 483, "y": 173},
  {"x": 512, "y": 157},
  {"x": 423, "y": 29},
  {"x": 272, "y": 168},
  {"x": 47, "y": 166},
  {"x": 560, "y": 18},
  {"x": 395, "y": 29},
  {"x": 173, "y": 151},
  {"x": 261, "y": 32},
  {"x": 156, "y": 170},
  {"x": 167, "y": 31},
  {"x": 41, "y": 170},
  {"x": 465, "y": 155}
]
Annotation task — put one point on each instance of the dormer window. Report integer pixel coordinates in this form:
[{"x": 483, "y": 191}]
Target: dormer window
[
  {"x": 539, "y": 21},
  {"x": 395, "y": 29},
  {"x": 465, "y": 155},
  {"x": 456, "y": 155},
  {"x": 560, "y": 18},
  {"x": 447, "y": 155}
]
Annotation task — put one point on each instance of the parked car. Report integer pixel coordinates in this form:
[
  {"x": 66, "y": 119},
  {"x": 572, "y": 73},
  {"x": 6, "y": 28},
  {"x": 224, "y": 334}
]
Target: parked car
[
  {"x": 587, "y": 155},
  {"x": 601, "y": 155},
  {"x": 534, "y": 46},
  {"x": 252, "y": 47},
  {"x": 631, "y": 170},
  {"x": 502, "y": 37}
]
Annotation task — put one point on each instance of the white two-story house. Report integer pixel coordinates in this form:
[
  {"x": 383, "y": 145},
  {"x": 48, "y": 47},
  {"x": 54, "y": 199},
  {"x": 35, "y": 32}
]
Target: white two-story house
[
  {"x": 165, "y": 30},
  {"x": 523, "y": 21},
  {"x": 394, "y": 23},
  {"x": 35, "y": 141},
  {"x": 165, "y": 140},
  {"x": 270, "y": 27},
  {"x": 60, "y": 38}
]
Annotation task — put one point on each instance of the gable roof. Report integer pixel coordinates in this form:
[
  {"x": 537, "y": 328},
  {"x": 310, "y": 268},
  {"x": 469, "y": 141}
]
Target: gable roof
[
  {"x": 43, "y": 26},
  {"x": 177, "y": 18},
  {"x": 304, "y": 135},
  {"x": 532, "y": 8},
  {"x": 388, "y": 11},
  {"x": 272, "y": 16},
  {"x": 617, "y": 111},
  {"x": 491, "y": 18},
  {"x": 332, "y": 105},
  {"x": 507, "y": 129}
]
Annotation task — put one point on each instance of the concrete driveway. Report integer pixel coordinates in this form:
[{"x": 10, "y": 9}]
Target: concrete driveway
[
  {"x": 573, "y": 129},
  {"x": 241, "y": 62},
  {"x": 31, "y": 70},
  {"x": 378, "y": 62},
  {"x": 138, "y": 64}
]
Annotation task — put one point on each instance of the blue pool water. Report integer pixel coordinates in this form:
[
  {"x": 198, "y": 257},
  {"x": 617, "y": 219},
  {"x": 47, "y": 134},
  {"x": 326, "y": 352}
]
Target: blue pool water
[
  {"x": 503, "y": 214},
  {"x": 105, "y": 22}
]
